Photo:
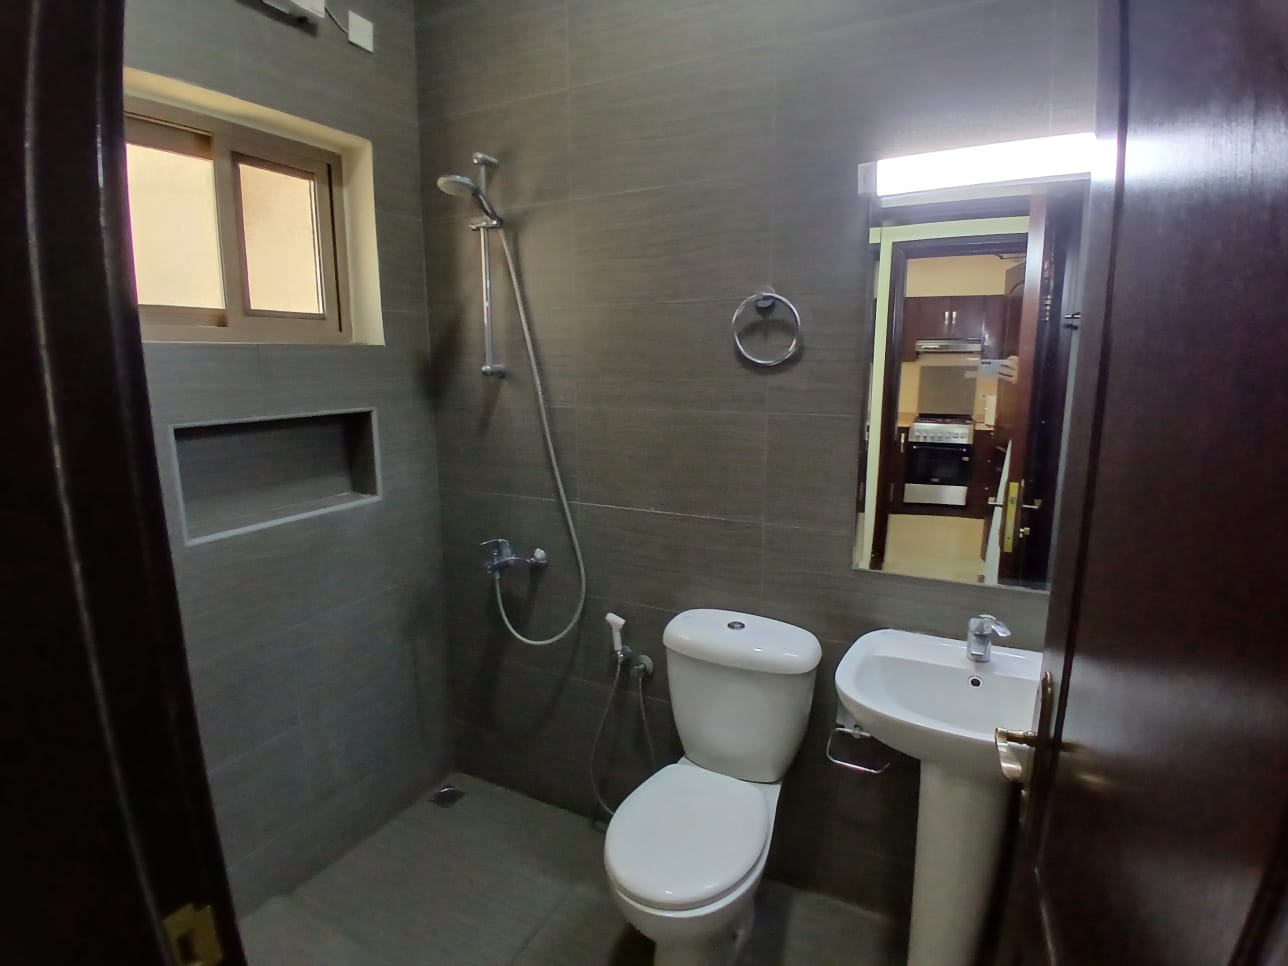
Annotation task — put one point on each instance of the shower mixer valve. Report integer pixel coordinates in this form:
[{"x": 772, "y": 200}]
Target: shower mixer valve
[{"x": 502, "y": 557}]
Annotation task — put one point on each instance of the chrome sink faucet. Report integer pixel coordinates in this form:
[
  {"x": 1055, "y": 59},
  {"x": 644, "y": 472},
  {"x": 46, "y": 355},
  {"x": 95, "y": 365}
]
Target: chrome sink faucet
[{"x": 980, "y": 631}]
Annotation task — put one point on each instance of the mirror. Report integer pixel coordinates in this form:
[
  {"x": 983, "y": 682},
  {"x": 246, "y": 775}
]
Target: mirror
[{"x": 977, "y": 293}]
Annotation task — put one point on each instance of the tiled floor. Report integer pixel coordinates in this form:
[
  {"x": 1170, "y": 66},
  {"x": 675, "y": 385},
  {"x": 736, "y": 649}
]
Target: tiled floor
[
  {"x": 943, "y": 548},
  {"x": 499, "y": 878}
]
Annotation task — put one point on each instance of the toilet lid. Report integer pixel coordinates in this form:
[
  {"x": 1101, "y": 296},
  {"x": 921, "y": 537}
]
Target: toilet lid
[{"x": 686, "y": 837}]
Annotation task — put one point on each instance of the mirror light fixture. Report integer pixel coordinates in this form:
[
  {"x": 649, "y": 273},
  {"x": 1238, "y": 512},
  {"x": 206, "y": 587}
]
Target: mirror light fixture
[{"x": 1058, "y": 157}]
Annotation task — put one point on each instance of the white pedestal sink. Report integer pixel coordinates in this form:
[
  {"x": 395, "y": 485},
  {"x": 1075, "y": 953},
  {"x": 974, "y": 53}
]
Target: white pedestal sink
[{"x": 922, "y": 696}]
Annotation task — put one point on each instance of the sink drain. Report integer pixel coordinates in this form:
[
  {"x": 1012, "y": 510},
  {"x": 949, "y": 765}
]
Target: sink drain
[{"x": 975, "y": 682}]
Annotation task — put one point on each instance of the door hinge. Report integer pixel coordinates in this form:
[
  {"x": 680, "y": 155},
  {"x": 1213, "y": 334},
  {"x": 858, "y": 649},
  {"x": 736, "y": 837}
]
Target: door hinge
[{"x": 193, "y": 938}]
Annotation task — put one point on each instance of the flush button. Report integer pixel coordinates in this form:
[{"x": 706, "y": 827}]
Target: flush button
[{"x": 735, "y": 625}]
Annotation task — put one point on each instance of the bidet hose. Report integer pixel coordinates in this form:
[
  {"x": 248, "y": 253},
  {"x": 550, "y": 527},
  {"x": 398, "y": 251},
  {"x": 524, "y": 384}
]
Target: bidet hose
[
  {"x": 554, "y": 466},
  {"x": 648, "y": 735},
  {"x": 599, "y": 733},
  {"x": 638, "y": 672}
]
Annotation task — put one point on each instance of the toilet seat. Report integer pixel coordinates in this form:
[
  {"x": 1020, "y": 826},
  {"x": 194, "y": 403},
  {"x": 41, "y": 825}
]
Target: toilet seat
[{"x": 686, "y": 837}]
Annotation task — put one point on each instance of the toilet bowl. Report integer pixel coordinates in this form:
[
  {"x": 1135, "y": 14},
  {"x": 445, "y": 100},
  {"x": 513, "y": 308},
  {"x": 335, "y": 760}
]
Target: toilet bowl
[
  {"x": 686, "y": 850},
  {"x": 684, "y": 856}
]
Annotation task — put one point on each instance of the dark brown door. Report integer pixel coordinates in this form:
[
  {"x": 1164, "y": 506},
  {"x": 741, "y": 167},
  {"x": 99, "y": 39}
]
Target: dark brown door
[
  {"x": 1028, "y": 287},
  {"x": 108, "y": 821},
  {"x": 993, "y": 327},
  {"x": 1156, "y": 827}
]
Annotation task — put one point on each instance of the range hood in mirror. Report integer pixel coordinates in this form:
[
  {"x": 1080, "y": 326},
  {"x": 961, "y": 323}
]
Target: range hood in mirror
[{"x": 936, "y": 346}]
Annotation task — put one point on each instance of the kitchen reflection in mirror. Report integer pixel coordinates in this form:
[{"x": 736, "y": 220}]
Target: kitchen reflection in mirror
[{"x": 977, "y": 308}]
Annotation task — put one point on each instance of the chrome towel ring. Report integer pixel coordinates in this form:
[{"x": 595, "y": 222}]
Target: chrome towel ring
[{"x": 765, "y": 300}]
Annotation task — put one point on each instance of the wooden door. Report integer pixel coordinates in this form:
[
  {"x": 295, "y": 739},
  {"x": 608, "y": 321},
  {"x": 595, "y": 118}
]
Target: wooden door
[
  {"x": 993, "y": 327},
  {"x": 1156, "y": 830},
  {"x": 1028, "y": 287},
  {"x": 109, "y": 826}
]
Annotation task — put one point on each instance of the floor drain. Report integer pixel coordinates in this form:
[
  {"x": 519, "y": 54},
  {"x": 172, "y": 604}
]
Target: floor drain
[{"x": 447, "y": 796}]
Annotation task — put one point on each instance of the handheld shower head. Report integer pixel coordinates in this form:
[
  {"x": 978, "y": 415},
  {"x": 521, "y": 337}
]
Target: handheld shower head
[{"x": 460, "y": 186}]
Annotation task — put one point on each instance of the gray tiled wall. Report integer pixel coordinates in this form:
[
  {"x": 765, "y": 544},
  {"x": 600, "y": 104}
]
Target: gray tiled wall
[
  {"x": 661, "y": 160},
  {"x": 317, "y": 648}
]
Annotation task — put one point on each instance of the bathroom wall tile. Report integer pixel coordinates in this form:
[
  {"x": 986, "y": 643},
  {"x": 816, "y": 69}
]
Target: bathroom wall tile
[
  {"x": 457, "y": 48},
  {"x": 671, "y": 561},
  {"x": 501, "y": 448},
  {"x": 706, "y": 464},
  {"x": 689, "y": 242},
  {"x": 372, "y": 731},
  {"x": 397, "y": 172},
  {"x": 530, "y": 709},
  {"x": 663, "y": 355},
  {"x": 244, "y": 698},
  {"x": 892, "y": 110},
  {"x": 1073, "y": 67},
  {"x": 233, "y": 591},
  {"x": 357, "y": 646},
  {"x": 400, "y": 244},
  {"x": 808, "y": 582},
  {"x": 605, "y": 35},
  {"x": 322, "y": 378},
  {"x": 813, "y": 471},
  {"x": 804, "y": 17},
  {"x": 821, "y": 229},
  {"x": 261, "y": 791},
  {"x": 530, "y": 139},
  {"x": 407, "y": 332},
  {"x": 365, "y": 549},
  {"x": 673, "y": 125},
  {"x": 195, "y": 383},
  {"x": 830, "y": 374}
]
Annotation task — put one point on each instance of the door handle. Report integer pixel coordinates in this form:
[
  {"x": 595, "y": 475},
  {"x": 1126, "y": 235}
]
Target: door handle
[
  {"x": 1014, "y": 763},
  {"x": 954, "y": 322},
  {"x": 1004, "y": 741}
]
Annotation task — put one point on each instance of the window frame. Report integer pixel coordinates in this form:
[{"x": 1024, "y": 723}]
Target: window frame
[{"x": 226, "y": 144}]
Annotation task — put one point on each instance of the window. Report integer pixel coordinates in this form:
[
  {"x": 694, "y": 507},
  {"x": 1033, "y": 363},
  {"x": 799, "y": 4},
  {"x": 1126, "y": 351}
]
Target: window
[{"x": 237, "y": 234}]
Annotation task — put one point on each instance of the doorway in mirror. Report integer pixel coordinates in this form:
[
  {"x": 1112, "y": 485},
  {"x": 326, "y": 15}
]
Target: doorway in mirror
[{"x": 974, "y": 332}]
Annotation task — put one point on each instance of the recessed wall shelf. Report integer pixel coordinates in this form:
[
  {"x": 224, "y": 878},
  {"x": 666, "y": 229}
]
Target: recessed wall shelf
[{"x": 245, "y": 475}]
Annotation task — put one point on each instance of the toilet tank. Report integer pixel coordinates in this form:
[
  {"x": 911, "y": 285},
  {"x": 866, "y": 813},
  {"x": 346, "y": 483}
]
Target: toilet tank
[{"x": 741, "y": 688}]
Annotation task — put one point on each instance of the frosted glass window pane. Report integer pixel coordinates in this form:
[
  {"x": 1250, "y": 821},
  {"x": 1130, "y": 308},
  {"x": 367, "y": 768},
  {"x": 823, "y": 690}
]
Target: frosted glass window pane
[
  {"x": 175, "y": 230},
  {"x": 283, "y": 273}
]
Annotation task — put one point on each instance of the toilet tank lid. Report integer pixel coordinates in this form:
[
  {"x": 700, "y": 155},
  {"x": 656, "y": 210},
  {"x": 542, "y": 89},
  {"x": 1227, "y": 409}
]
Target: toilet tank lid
[{"x": 746, "y": 641}]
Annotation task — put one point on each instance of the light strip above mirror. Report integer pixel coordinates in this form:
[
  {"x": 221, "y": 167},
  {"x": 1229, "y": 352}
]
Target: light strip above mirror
[{"x": 1061, "y": 156}]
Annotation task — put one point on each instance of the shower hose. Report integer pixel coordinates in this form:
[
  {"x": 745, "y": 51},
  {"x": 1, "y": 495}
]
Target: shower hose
[
  {"x": 520, "y": 301},
  {"x": 637, "y": 670}
]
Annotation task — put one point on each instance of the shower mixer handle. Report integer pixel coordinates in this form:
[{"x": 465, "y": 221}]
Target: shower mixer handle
[{"x": 502, "y": 557}]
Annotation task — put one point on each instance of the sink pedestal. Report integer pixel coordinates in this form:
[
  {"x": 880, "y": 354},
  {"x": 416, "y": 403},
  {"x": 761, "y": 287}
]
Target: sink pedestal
[{"x": 960, "y": 823}]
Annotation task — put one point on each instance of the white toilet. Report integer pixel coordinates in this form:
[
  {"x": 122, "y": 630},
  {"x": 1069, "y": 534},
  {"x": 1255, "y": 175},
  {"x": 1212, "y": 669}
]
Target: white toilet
[{"x": 686, "y": 850}]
